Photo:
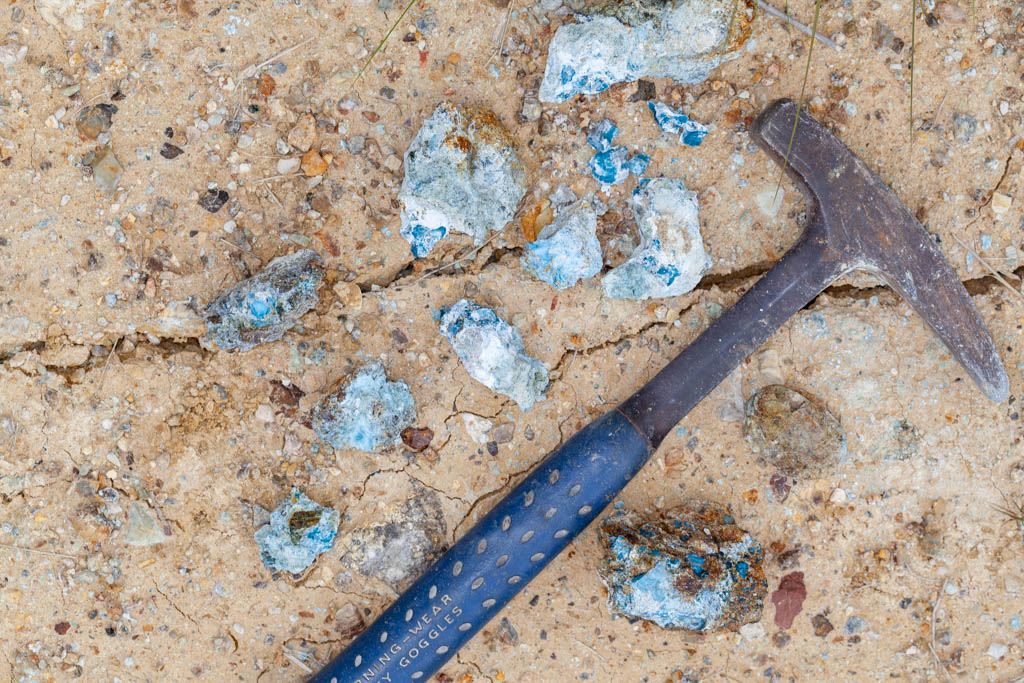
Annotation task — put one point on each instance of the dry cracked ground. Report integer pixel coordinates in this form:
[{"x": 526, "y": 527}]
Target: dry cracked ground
[{"x": 108, "y": 400}]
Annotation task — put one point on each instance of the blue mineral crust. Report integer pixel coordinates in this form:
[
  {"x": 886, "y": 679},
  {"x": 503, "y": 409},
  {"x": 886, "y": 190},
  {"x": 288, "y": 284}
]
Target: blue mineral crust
[
  {"x": 299, "y": 529},
  {"x": 492, "y": 352},
  {"x": 368, "y": 413},
  {"x": 617, "y": 42},
  {"x": 462, "y": 173},
  {"x": 567, "y": 250},
  {"x": 670, "y": 259},
  {"x": 669, "y": 120},
  {"x": 611, "y": 165},
  {"x": 265, "y": 306},
  {"x": 691, "y": 569}
]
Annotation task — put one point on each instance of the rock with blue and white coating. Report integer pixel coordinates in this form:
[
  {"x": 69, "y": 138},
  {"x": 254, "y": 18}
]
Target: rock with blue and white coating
[
  {"x": 298, "y": 531},
  {"x": 492, "y": 352},
  {"x": 612, "y": 165},
  {"x": 670, "y": 259},
  {"x": 462, "y": 173},
  {"x": 567, "y": 250},
  {"x": 367, "y": 414},
  {"x": 690, "y": 132},
  {"x": 692, "y": 568},
  {"x": 618, "y": 42},
  {"x": 265, "y": 306}
]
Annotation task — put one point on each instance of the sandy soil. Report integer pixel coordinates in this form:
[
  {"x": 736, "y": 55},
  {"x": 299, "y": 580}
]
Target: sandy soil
[{"x": 108, "y": 400}]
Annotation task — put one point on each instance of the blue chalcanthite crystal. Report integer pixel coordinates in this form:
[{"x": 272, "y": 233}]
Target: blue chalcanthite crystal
[
  {"x": 368, "y": 413},
  {"x": 611, "y": 165},
  {"x": 691, "y": 569},
  {"x": 670, "y": 259},
  {"x": 567, "y": 250},
  {"x": 462, "y": 173},
  {"x": 669, "y": 120},
  {"x": 298, "y": 531},
  {"x": 618, "y": 42},
  {"x": 492, "y": 352},
  {"x": 262, "y": 308}
]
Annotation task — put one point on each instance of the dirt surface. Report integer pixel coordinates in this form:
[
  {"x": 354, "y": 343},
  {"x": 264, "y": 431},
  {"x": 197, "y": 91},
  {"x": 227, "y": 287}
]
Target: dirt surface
[{"x": 108, "y": 400}]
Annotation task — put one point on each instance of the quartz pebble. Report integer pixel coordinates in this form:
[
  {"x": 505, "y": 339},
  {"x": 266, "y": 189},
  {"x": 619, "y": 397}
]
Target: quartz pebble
[
  {"x": 793, "y": 432},
  {"x": 142, "y": 529},
  {"x": 670, "y": 259},
  {"x": 492, "y": 353},
  {"x": 567, "y": 250},
  {"x": 368, "y": 413},
  {"x": 462, "y": 173},
  {"x": 265, "y": 306},
  {"x": 298, "y": 531},
  {"x": 690, "y": 569},
  {"x": 618, "y": 42},
  {"x": 106, "y": 169}
]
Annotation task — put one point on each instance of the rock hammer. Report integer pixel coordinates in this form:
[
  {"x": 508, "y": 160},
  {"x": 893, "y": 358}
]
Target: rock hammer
[{"x": 856, "y": 222}]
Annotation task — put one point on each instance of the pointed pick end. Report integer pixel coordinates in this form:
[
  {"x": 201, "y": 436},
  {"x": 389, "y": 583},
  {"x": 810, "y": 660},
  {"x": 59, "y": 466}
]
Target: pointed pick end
[{"x": 994, "y": 383}]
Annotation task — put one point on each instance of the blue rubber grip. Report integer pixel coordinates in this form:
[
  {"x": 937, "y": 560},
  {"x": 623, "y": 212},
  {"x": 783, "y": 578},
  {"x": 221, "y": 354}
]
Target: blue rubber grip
[{"x": 467, "y": 587}]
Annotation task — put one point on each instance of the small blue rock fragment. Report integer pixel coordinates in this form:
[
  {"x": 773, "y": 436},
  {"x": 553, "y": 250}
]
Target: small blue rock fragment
[
  {"x": 262, "y": 308},
  {"x": 691, "y": 569},
  {"x": 462, "y": 173},
  {"x": 567, "y": 250},
  {"x": 368, "y": 413},
  {"x": 611, "y": 165},
  {"x": 298, "y": 531},
  {"x": 618, "y": 42},
  {"x": 669, "y": 120},
  {"x": 492, "y": 353}
]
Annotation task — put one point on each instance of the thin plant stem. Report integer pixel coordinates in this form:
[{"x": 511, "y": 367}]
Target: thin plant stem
[
  {"x": 913, "y": 59},
  {"x": 800, "y": 102},
  {"x": 383, "y": 40}
]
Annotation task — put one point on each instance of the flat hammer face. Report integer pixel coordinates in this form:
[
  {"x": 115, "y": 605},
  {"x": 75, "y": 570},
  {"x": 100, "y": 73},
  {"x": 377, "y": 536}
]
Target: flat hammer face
[{"x": 861, "y": 224}]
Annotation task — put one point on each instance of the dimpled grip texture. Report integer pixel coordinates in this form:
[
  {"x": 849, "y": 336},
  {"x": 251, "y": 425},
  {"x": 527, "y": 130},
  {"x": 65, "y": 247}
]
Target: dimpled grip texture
[{"x": 487, "y": 567}]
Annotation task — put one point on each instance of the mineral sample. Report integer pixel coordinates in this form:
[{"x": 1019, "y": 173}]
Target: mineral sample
[
  {"x": 368, "y": 413},
  {"x": 142, "y": 529},
  {"x": 404, "y": 543},
  {"x": 567, "y": 250},
  {"x": 670, "y": 259},
  {"x": 462, "y": 173},
  {"x": 792, "y": 431},
  {"x": 616, "y": 42},
  {"x": 612, "y": 165},
  {"x": 299, "y": 529},
  {"x": 669, "y": 120},
  {"x": 264, "y": 307},
  {"x": 691, "y": 569},
  {"x": 492, "y": 352}
]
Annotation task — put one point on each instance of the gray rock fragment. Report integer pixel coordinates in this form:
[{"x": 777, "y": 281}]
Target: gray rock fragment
[
  {"x": 265, "y": 306},
  {"x": 368, "y": 413},
  {"x": 618, "y": 42},
  {"x": 492, "y": 353},
  {"x": 142, "y": 529},
  {"x": 462, "y": 173}
]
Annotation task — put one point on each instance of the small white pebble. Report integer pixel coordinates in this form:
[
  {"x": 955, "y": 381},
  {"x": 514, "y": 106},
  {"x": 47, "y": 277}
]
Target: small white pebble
[
  {"x": 997, "y": 650},
  {"x": 752, "y": 631},
  {"x": 237, "y": 628},
  {"x": 838, "y": 496}
]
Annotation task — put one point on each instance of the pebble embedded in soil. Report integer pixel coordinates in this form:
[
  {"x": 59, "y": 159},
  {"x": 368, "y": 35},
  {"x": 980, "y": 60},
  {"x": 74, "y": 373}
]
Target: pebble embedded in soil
[
  {"x": 619, "y": 42},
  {"x": 298, "y": 531},
  {"x": 492, "y": 353},
  {"x": 462, "y": 173},
  {"x": 142, "y": 529},
  {"x": 692, "y": 568},
  {"x": 213, "y": 200},
  {"x": 792, "y": 431},
  {"x": 690, "y": 132},
  {"x": 265, "y": 306},
  {"x": 106, "y": 169},
  {"x": 95, "y": 120},
  {"x": 369, "y": 413},
  {"x": 567, "y": 250},
  {"x": 670, "y": 259}
]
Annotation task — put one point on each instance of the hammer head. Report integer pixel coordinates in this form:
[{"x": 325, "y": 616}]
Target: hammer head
[{"x": 864, "y": 226}]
